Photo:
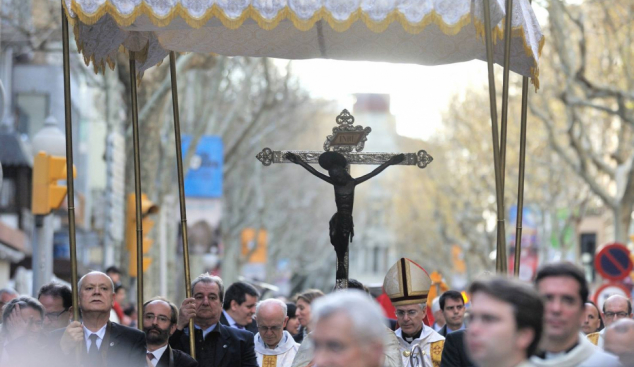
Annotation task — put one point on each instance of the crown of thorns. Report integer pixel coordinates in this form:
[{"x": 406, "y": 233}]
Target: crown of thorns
[{"x": 329, "y": 160}]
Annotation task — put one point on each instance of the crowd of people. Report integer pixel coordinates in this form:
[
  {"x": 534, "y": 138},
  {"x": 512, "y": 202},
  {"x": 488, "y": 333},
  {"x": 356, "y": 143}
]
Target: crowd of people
[{"x": 506, "y": 323}]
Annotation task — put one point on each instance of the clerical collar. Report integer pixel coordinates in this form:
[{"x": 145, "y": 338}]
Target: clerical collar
[
  {"x": 548, "y": 355},
  {"x": 410, "y": 339}
]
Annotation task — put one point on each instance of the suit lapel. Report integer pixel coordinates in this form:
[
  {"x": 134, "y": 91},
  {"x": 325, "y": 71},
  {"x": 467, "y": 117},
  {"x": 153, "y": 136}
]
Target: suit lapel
[
  {"x": 223, "y": 343},
  {"x": 165, "y": 358},
  {"x": 223, "y": 319}
]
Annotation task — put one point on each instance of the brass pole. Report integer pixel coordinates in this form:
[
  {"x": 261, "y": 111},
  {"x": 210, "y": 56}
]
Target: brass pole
[
  {"x": 505, "y": 86},
  {"x": 520, "y": 184},
  {"x": 181, "y": 196},
  {"x": 70, "y": 180},
  {"x": 500, "y": 262},
  {"x": 137, "y": 192}
]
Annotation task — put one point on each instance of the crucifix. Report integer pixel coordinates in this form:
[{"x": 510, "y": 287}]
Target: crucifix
[{"x": 341, "y": 149}]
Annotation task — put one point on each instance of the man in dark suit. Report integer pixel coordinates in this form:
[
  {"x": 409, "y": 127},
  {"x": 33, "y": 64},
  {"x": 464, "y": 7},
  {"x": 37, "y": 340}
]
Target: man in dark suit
[
  {"x": 159, "y": 323},
  {"x": 100, "y": 342},
  {"x": 217, "y": 345},
  {"x": 454, "y": 354},
  {"x": 452, "y": 307},
  {"x": 239, "y": 307}
]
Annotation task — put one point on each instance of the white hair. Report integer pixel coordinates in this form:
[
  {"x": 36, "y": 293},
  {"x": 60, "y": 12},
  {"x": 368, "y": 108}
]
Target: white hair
[
  {"x": 366, "y": 316},
  {"x": 271, "y": 301},
  {"x": 435, "y": 305},
  {"x": 81, "y": 280}
]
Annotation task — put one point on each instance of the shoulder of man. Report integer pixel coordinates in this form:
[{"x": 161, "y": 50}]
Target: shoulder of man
[
  {"x": 602, "y": 358},
  {"x": 237, "y": 333},
  {"x": 126, "y": 332},
  {"x": 182, "y": 359}
]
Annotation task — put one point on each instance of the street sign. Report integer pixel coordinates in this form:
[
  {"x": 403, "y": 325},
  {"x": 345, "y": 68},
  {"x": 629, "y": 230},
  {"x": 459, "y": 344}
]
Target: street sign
[
  {"x": 609, "y": 289},
  {"x": 613, "y": 261}
]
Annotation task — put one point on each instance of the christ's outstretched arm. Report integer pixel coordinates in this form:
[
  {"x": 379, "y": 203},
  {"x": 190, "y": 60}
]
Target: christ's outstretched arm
[
  {"x": 297, "y": 160},
  {"x": 394, "y": 160}
]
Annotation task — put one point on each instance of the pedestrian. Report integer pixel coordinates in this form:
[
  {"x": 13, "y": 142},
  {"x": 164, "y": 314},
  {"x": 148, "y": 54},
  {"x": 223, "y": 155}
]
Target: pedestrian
[
  {"x": 303, "y": 303},
  {"x": 159, "y": 323},
  {"x": 564, "y": 288},
  {"x": 95, "y": 341},
  {"x": 505, "y": 323},
  {"x": 217, "y": 345},
  {"x": 407, "y": 284},
  {"x": 619, "y": 340},
  {"x": 57, "y": 300},
  {"x": 452, "y": 307},
  {"x": 274, "y": 346},
  {"x": 239, "y": 307},
  {"x": 592, "y": 321},
  {"x": 439, "y": 318},
  {"x": 615, "y": 308},
  {"x": 292, "y": 325},
  {"x": 21, "y": 332},
  {"x": 6, "y": 295},
  {"x": 115, "y": 274},
  {"x": 348, "y": 329}
]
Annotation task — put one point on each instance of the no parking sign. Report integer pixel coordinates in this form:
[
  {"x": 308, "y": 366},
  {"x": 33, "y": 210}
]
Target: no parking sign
[{"x": 613, "y": 261}]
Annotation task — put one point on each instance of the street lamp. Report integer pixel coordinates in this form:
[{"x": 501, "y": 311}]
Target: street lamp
[{"x": 51, "y": 141}]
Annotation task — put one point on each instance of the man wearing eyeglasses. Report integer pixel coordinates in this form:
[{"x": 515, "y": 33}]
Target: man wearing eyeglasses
[
  {"x": 57, "y": 300},
  {"x": 615, "y": 308},
  {"x": 274, "y": 346},
  {"x": 159, "y": 323},
  {"x": 407, "y": 284}
]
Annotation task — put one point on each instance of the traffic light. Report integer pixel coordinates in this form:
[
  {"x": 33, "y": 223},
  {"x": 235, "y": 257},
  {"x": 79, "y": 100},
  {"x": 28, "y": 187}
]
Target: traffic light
[
  {"x": 47, "y": 194},
  {"x": 147, "y": 208}
]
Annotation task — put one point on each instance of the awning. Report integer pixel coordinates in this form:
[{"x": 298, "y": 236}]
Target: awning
[{"x": 428, "y": 32}]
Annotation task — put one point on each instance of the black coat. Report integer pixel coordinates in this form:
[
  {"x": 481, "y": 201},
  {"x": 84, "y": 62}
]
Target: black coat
[
  {"x": 454, "y": 354},
  {"x": 121, "y": 346},
  {"x": 181, "y": 359},
  {"x": 235, "y": 347},
  {"x": 252, "y": 327}
]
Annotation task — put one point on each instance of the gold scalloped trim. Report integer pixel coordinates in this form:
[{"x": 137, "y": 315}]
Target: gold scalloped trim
[
  {"x": 498, "y": 34},
  {"x": 125, "y": 20}
]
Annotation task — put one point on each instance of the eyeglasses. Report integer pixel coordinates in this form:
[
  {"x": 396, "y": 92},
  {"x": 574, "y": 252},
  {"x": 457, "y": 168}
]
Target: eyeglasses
[
  {"x": 264, "y": 329},
  {"x": 619, "y": 315},
  {"x": 151, "y": 317},
  {"x": 55, "y": 315},
  {"x": 410, "y": 313}
]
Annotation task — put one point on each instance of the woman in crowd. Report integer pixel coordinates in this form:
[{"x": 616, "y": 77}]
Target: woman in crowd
[
  {"x": 303, "y": 307},
  {"x": 21, "y": 332},
  {"x": 292, "y": 325}
]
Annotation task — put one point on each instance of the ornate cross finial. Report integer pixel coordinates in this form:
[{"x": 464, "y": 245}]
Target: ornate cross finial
[{"x": 346, "y": 137}]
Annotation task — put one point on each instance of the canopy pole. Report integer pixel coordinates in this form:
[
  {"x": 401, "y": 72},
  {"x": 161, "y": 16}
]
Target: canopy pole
[
  {"x": 500, "y": 262},
  {"x": 520, "y": 184},
  {"x": 70, "y": 179},
  {"x": 505, "y": 86},
  {"x": 181, "y": 195},
  {"x": 137, "y": 192}
]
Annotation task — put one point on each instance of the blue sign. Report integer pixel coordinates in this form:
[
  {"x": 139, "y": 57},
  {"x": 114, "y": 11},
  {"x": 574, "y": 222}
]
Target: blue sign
[{"x": 204, "y": 176}]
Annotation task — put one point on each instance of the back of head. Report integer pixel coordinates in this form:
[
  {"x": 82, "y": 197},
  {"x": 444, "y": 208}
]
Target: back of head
[
  {"x": 565, "y": 269},
  {"x": 290, "y": 310},
  {"x": 355, "y": 284},
  {"x": 238, "y": 292},
  {"x": 527, "y": 304},
  {"x": 329, "y": 160},
  {"x": 435, "y": 305},
  {"x": 58, "y": 291},
  {"x": 619, "y": 340},
  {"x": 365, "y": 315}
]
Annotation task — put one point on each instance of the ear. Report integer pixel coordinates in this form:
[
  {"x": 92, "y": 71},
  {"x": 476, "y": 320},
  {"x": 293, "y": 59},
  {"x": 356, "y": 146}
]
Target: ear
[
  {"x": 285, "y": 321},
  {"x": 525, "y": 337},
  {"x": 173, "y": 329},
  {"x": 424, "y": 311},
  {"x": 233, "y": 305}
]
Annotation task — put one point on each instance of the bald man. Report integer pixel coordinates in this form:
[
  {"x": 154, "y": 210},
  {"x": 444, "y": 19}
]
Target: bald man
[
  {"x": 615, "y": 308},
  {"x": 619, "y": 340},
  {"x": 274, "y": 346}
]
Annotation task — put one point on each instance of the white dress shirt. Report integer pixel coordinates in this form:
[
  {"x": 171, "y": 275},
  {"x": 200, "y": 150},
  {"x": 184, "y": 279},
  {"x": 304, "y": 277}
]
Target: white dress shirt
[
  {"x": 100, "y": 334},
  {"x": 157, "y": 354}
]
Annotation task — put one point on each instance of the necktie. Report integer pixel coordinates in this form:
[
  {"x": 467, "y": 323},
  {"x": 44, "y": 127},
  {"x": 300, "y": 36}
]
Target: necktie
[
  {"x": 93, "y": 351},
  {"x": 240, "y": 326},
  {"x": 150, "y": 356}
]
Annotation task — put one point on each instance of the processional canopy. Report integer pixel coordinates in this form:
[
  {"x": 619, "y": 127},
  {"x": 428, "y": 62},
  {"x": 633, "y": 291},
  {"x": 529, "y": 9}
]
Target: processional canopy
[{"x": 421, "y": 32}]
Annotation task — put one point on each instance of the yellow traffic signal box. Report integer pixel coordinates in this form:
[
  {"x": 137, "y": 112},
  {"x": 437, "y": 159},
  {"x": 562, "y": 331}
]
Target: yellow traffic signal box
[
  {"x": 47, "y": 194},
  {"x": 147, "y": 208}
]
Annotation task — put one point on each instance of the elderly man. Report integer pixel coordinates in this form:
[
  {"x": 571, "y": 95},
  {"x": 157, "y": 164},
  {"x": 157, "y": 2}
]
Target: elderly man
[
  {"x": 564, "y": 288},
  {"x": 407, "y": 284},
  {"x": 439, "y": 318},
  {"x": 159, "y": 323},
  {"x": 96, "y": 341},
  {"x": 505, "y": 323},
  {"x": 619, "y": 340},
  {"x": 348, "y": 330},
  {"x": 57, "y": 300},
  {"x": 591, "y": 319},
  {"x": 615, "y": 308},
  {"x": 274, "y": 346},
  {"x": 217, "y": 345}
]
